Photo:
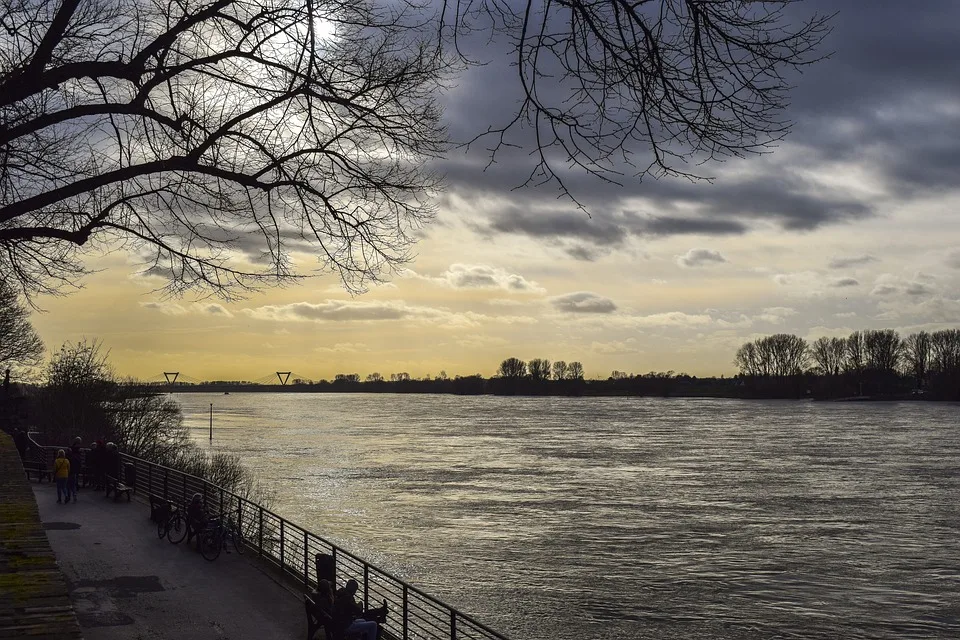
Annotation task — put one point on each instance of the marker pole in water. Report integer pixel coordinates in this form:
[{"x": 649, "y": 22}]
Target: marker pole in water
[{"x": 211, "y": 422}]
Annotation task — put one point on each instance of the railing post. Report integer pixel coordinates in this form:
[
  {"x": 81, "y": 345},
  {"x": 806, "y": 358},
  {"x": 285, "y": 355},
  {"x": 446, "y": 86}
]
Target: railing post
[
  {"x": 306, "y": 563},
  {"x": 260, "y": 531},
  {"x": 406, "y": 612},
  {"x": 281, "y": 546},
  {"x": 453, "y": 625},
  {"x": 240, "y": 515},
  {"x": 366, "y": 586},
  {"x": 183, "y": 492},
  {"x": 150, "y": 478},
  {"x": 333, "y": 552},
  {"x": 221, "y": 499},
  {"x": 166, "y": 483}
]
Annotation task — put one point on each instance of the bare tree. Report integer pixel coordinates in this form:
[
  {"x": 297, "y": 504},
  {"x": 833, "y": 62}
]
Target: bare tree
[
  {"x": 559, "y": 370},
  {"x": 748, "y": 361},
  {"x": 374, "y": 377},
  {"x": 215, "y": 138},
  {"x": 512, "y": 368},
  {"x": 856, "y": 353},
  {"x": 539, "y": 369},
  {"x": 828, "y": 354},
  {"x": 916, "y": 353},
  {"x": 575, "y": 371},
  {"x": 883, "y": 349},
  {"x": 19, "y": 343},
  {"x": 648, "y": 84},
  {"x": 945, "y": 350},
  {"x": 781, "y": 354}
]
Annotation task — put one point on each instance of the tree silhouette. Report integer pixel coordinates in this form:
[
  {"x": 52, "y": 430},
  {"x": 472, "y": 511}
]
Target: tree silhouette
[
  {"x": 214, "y": 139},
  {"x": 19, "y": 343},
  {"x": 512, "y": 368}
]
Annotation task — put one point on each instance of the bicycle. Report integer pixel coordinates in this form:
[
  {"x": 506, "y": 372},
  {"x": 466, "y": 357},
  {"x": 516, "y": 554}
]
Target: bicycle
[
  {"x": 218, "y": 532},
  {"x": 174, "y": 527}
]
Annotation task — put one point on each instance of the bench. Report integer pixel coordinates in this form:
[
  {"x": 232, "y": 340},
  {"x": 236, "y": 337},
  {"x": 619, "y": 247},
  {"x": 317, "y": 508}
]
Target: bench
[
  {"x": 39, "y": 468},
  {"x": 314, "y": 624},
  {"x": 116, "y": 487}
]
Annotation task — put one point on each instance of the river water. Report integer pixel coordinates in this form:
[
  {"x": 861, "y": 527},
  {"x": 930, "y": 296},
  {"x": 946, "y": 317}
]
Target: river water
[{"x": 581, "y": 518}]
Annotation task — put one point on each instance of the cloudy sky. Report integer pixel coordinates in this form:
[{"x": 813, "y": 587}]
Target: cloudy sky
[{"x": 850, "y": 224}]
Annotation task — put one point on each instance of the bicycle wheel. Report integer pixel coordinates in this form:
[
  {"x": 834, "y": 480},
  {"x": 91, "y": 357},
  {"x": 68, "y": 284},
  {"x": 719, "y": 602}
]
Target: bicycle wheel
[
  {"x": 162, "y": 528},
  {"x": 211, "y": 542},
  {"x": 237, "y": 538},
  {"x": 176, "y": 528}
]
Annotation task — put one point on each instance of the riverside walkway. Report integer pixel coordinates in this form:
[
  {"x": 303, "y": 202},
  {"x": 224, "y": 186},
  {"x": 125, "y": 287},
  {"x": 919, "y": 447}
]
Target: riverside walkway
[{"x": 126, "y": 583}]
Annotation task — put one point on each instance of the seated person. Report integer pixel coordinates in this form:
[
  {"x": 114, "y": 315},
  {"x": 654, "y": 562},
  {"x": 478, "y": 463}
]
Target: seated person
[
  {"x": 323, "y": 601},
  {"x": 196, "y": 517},
  {"x": 350, "y": 617}
]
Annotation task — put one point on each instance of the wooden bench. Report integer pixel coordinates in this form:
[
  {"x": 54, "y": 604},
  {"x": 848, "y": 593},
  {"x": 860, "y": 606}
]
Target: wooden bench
[
  {"x": 116, "y": 487},
  {"x": 39, "y": 468},
  {"x": 314, "y": 624}
]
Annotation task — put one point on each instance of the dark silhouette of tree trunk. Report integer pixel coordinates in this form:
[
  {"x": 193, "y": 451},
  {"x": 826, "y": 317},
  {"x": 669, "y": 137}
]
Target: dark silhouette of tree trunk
[{"x": 214, "y": 138}]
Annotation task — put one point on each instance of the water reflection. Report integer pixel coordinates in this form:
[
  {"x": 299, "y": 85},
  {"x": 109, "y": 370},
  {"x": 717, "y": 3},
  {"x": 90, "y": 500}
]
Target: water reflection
[{"x": 625, "y": 517}]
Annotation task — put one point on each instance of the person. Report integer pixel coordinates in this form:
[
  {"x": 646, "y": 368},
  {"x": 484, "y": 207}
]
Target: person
[
  {"x": 111, "y": 463},
  {"x": 323, "y": 604},
  {"x": 75, "y": 457},
  {"x": 61, "y": 473},
  {"x": 196, "y": 517},
  {"x": 90, "y": 475},
  {"x": 349, "y": 616},
  {"x": 99, "y": 473}
]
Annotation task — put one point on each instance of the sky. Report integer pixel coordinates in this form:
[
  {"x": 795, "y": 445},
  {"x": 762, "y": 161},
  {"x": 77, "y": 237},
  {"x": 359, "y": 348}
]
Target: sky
[{"x": 849, "y": 224}]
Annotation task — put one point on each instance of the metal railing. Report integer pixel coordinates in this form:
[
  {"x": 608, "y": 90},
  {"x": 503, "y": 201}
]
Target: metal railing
[{"x": 414, "y": 615}]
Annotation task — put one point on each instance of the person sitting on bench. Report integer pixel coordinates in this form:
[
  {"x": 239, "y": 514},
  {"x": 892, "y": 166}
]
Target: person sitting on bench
[
  {"x": 350, "y": 617},
  {"x": 196, "y": 517}
]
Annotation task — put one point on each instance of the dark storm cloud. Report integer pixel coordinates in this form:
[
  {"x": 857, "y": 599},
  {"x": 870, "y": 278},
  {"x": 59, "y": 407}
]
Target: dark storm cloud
[
  {"x": 886, "y": 100},
  {"x": 671, "y": 226}
]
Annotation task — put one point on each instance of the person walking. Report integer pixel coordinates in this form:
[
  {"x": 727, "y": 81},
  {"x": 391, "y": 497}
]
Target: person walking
[
  {"x": 61, "y": 473},
  {"x": 75, "y": 457}
]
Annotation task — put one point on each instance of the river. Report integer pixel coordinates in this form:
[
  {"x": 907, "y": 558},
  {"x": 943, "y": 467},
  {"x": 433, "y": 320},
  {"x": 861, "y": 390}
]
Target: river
[{"x": 581, "y": 518}]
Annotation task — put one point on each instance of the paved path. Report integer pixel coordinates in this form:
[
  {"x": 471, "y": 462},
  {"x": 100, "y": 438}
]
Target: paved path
[{"x": 126, "y": 583}]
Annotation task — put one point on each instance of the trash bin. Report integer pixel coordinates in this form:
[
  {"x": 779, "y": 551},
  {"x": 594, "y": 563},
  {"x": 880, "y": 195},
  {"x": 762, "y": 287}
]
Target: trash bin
[
  {"x": 129, "y": 475},
  {"x": 326, "y": 568}
]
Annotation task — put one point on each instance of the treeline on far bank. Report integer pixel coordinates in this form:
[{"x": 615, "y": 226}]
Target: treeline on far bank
[
  {"x": 866, "y": 364},
  {"x": 877, "y": 363}
]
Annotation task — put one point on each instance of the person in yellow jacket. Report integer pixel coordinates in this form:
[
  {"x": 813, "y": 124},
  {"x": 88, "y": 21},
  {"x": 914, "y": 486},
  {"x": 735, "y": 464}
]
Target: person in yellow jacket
[{"x": 61, "y": 472}]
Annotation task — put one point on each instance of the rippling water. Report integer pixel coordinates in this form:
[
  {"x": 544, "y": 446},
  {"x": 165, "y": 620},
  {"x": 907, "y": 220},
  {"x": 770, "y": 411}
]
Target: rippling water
[{"x": 627, "y": 517}]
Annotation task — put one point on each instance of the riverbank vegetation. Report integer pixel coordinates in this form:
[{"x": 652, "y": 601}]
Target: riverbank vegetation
[
  {"x": 870, "y": 364},
  {"x": 81, "y": 396}
]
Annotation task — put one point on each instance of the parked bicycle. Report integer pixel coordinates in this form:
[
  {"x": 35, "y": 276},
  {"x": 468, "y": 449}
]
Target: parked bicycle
[
  {"x": 219, "y": 532},
  {"x": 173, "y": 527}
]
